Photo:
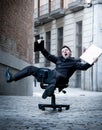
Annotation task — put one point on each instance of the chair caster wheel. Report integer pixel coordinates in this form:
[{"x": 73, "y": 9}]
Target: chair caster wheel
[
  {"x": 54, "y": 109},
  {"x": 40, "y": 106},
  {"x": 43, "y": 108},
  {"x": 67, "y": 108},
  {"x": 59, "y": 109}
]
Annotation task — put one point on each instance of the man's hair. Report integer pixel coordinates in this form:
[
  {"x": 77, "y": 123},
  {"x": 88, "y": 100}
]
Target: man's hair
[{"x": 66, "y": 47}]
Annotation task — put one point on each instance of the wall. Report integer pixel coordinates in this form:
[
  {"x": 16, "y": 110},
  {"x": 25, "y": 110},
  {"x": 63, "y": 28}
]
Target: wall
[{"x": 16, "y": 43}]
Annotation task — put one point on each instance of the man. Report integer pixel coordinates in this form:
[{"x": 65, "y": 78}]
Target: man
[{"x": 65, "y": 67}]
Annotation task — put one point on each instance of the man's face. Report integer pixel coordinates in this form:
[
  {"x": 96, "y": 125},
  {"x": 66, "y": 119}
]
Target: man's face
[{"x": 65, "y": 52}]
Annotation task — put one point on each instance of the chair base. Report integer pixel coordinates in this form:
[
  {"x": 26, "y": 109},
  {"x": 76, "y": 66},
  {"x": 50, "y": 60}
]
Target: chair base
[
  {"x": 53, "y": 105},
  {"x": 59, "y": 106}
]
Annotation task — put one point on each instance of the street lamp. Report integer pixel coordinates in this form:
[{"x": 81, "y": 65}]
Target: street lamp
[{"x": 88, "y": 3}]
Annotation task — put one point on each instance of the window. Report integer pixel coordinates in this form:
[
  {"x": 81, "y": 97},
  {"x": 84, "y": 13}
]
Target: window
[
  {"x": 48, "y": 43},
  {"x": 79, "y": 38},
  {"x": 37, "y": 53},
  {"x": 59, "y": 40}
]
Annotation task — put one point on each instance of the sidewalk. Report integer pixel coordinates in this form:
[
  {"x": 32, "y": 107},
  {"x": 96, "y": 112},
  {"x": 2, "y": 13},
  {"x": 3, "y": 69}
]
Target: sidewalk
[{"x": 22, "y": 113}]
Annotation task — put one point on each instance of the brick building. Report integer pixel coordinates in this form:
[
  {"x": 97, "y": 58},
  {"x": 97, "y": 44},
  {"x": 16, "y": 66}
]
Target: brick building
[{"x": 16, "y": 43}]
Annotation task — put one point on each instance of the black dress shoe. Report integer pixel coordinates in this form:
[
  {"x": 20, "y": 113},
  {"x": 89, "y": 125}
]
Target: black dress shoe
[
  {"x": 8, "y": 76},
  {"x": 48, "y": 92}
]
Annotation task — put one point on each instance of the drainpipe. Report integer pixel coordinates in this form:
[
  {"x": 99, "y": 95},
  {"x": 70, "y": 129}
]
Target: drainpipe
[{"x": 92, "y": 39}]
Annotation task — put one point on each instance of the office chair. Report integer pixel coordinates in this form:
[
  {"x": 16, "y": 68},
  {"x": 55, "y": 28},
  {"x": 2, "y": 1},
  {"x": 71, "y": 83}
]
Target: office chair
[{"x": 43, "y": 77}]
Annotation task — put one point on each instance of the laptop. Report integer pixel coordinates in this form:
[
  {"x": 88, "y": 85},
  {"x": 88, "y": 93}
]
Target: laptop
[{"x": 93, "y": 52}]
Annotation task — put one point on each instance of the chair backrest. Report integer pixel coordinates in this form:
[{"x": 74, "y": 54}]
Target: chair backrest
[{"x": 43, "y": 75}]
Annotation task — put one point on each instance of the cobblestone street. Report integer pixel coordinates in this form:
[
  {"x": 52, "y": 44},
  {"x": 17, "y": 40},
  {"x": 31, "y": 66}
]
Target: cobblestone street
[{"x": 22, "y": 113}]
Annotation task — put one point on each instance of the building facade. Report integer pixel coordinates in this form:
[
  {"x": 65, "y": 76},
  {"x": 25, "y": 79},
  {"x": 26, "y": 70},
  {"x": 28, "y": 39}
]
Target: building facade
[
  {"x": 16, "y": 44},
  {"x": 76, "y": 23}
]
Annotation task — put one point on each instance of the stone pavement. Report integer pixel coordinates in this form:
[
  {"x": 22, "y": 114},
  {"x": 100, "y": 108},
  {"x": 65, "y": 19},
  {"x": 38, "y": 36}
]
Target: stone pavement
[{"x": 22, "y": 113}]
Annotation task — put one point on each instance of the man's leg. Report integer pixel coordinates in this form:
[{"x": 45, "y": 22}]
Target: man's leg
[
  {"x": 51, "y": 86},
  {"x": 27, "y": 71}
]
